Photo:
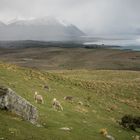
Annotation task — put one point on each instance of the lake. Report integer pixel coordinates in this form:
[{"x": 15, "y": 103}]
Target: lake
[{"x": 131, "y": 44}]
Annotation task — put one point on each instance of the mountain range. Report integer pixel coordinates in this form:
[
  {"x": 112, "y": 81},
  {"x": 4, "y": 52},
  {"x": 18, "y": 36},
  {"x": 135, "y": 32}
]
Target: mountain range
[{"x": 47, "y": 28}]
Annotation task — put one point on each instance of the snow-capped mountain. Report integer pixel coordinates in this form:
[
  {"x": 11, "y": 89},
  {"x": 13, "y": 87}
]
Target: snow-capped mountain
[
  {"x": 47, "y": 28},
  {"x": 39, "y": 21}
]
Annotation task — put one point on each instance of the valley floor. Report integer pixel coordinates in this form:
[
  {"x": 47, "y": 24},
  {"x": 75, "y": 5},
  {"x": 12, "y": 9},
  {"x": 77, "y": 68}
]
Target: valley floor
[{"x": 67, "y": 58}]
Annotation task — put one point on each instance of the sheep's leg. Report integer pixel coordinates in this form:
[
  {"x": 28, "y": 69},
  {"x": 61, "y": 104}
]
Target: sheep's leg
[
  {"x": 42, "y": 101},
  {"x": 36, "y": 101},
  {"x": 61, "y": 107},
  {"x": 54, "y": 107}
]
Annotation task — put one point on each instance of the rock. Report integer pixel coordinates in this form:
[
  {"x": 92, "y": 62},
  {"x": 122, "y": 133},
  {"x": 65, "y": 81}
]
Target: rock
[
  {"x": 94, "y": 111},
  {"x": 110, "y": 137},
  {"x": 39, "y": 125},
  {"x": 13, "y": 131},
  {"x": 80, "y": 103},
  {"x": 81, "y": 109},
  {"x": 10, "y": 101},
  {"x": 84, "y": 121},
  {"x": 66, "y": 128},
  {"x": 87, "y": 105}
]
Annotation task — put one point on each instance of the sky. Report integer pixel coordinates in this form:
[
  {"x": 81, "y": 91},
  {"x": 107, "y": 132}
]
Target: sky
[{"x": 95, "y": 17}]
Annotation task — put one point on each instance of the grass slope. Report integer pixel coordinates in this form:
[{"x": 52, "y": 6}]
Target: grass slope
[{"x": 106, "y": 97}]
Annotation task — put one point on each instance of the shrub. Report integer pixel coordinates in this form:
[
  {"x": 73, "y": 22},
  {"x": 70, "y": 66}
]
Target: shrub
[{"x": 131, "y": 122}]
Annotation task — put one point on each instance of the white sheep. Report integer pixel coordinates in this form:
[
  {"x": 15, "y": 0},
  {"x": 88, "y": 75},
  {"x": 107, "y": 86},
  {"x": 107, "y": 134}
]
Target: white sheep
[
  {"x": 56, "y": 104},
  {"x": 38, "y": 98},
  {"x": 136, "y": 137}
]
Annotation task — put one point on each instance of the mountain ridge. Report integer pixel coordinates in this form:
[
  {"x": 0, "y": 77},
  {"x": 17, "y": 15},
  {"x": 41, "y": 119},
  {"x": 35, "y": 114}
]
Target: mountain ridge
[{"x": 39, "y": 29}]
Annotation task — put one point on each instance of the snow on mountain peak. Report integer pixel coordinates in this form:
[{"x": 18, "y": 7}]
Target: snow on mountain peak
[
  {"x": 63, "y": 22},
  {"x": 15, "y": 20},
  {"x": 46, "y": 28},
  {"x": 12, "y": 21},
  {"x": 39, "y": 21}
]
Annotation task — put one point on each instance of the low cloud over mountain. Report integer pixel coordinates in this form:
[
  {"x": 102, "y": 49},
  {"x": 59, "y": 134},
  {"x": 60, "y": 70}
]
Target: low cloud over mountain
[{"x": 48, "y": 28}]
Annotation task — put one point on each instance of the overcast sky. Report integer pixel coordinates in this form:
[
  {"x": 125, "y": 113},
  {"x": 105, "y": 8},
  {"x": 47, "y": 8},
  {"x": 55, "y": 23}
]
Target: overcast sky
[{"x": 92, "y": 16}]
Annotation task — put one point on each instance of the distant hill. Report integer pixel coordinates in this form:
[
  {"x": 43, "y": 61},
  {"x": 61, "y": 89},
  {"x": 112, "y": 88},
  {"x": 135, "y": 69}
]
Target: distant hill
[{"x": 48, "y": 29}]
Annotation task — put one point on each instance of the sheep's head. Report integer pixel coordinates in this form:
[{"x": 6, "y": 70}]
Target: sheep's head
[
  {"x": 36, "y": 93},
  {"x": 54, "y": 99}
]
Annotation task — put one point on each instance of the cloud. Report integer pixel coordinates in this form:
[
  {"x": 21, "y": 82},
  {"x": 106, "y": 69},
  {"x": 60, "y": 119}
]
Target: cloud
[{"x": 92, "y": 16}]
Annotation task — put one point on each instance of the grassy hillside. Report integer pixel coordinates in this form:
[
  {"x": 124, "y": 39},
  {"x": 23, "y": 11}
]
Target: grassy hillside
[{"x": 106, "y": 97}]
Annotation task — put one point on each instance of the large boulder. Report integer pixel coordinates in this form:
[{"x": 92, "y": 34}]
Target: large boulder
[{"x": 10, "y": 101}]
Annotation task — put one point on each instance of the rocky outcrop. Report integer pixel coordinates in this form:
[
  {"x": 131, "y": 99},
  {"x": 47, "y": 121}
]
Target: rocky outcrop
[{"x": 10, "y": 101}]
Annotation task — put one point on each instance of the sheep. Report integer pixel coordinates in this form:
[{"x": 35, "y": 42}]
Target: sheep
[
  {"x": 70, "y": 98},
  {"x": 38, "y": 98},
  {"x": 136, "y": 137},
  {"x": 56, "y": 104},
  {"x": 46, "y": 87}
]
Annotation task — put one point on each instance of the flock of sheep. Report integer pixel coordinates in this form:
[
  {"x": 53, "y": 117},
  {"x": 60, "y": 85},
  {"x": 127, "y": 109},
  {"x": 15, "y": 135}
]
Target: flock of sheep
[
  {"x": 55, "y": 103},
  {"x": 57, "y": 106}
]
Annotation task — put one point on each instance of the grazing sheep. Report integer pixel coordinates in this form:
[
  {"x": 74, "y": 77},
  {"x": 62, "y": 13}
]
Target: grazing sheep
[
  {"x": 56, "y": 105},
  {"x": 136, "y": 137},
  {"x": 38, "y": 98},
  {"x": 46, "y": 87},
  {"x": 68, "y": 98}
]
